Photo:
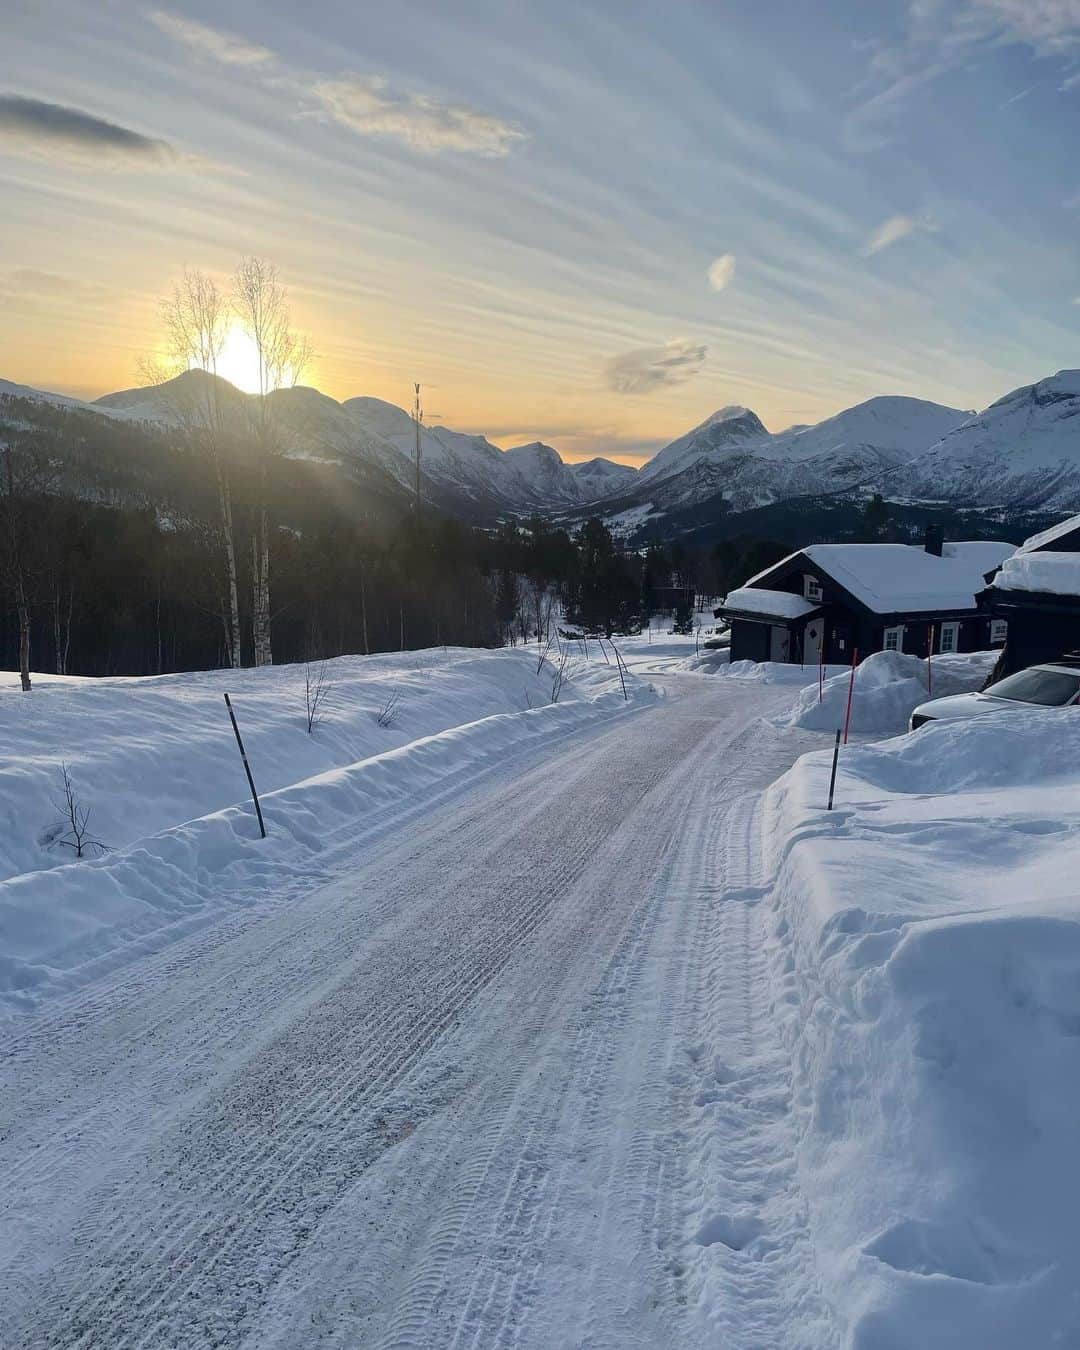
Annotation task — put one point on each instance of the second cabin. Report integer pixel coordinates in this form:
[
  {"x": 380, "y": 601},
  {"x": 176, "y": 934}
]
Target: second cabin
[{"x": 827, "y": 601}]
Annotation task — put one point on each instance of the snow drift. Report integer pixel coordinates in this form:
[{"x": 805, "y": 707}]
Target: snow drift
[
  {"x": 156, "y": 763},
  {"x": 926, "y": 948},
  {"x": 888, "y": 685}
]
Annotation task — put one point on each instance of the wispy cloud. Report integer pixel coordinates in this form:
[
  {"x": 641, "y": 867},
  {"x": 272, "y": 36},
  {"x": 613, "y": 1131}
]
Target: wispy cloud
[
  {"x": 894, "y": 229},
  {"x": 31, "y": 286},
  {"x": 370, "y": 108},
  {"x": 31, "y": 126},
  {"x": 647, "y": 368},
  {"x": 721, "y": 271},
  {"x": 1045, "y": 25},
  {"x": 214, "y": 43},
  {"x": 944, "y": 36}
]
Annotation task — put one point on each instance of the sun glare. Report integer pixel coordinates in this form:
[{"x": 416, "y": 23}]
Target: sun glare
[{"x": 239, "y": 360}]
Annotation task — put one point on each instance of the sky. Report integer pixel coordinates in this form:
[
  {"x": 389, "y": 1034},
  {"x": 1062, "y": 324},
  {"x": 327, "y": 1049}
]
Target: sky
[{"x": 586, "y": 223}]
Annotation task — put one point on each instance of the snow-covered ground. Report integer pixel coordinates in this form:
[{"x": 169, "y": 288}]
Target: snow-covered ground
[
  {"x": 155, "y": 763},
  {"x": 925, "y": 951},
  {"x": 574, "y": 1025}
]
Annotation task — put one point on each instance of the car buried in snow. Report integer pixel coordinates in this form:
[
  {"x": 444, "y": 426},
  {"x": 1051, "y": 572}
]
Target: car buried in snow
[{"x": 1048, "y": 686}]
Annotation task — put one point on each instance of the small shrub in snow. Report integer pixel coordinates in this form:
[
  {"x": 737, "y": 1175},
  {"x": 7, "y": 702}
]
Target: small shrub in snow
[
  {"x": 388, "y": 714},
  {"x": 316, "y": 692},
  {"x": 72, "y": 829}
]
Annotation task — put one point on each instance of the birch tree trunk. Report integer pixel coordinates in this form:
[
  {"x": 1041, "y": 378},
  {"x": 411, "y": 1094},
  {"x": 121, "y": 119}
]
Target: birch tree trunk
[
  {"x": 23, "y": 610},
  {"x": 363, "y": 614}
]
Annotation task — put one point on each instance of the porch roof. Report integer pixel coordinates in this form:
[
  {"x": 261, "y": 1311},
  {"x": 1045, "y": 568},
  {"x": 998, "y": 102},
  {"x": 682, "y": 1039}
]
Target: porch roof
[{"x": 756, "y": 601}]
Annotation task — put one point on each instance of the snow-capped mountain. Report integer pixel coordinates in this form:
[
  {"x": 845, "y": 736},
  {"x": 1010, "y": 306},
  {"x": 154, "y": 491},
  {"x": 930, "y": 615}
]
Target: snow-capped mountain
[
  {"x": 462, "y": 472},
  {"x": 602, "y": 477},
  {"x": 1024, "y": 450},
  {"x": 725, "y": 434},
  {"x": 731, "y": 455},
  {"x": 1021, "y": 452}
]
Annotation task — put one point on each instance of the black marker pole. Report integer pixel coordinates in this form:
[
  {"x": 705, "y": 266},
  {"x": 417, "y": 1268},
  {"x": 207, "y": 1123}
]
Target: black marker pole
[
  {"x": 832, "y": 779},
  {"x": 247, "y": 766}
]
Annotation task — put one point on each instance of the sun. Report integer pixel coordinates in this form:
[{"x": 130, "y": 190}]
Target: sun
[{"x": 238, "y": 360}]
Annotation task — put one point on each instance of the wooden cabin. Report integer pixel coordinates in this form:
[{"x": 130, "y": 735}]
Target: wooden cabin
[
  {"x": 829, "y": 600},
  {"x": 1033, "y": 598}
]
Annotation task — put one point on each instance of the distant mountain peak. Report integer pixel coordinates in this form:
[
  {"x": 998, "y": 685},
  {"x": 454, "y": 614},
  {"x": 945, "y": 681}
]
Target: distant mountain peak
[{"x": 734, "y": 412}]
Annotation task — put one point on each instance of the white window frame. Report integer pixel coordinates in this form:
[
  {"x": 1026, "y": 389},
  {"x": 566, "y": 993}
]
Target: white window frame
[
  {"x": 812, "y": 588},
  {"x": 952, "y": 627},
  {"x": 999, "y": 630},
  {"x": 896, "y": 631}
]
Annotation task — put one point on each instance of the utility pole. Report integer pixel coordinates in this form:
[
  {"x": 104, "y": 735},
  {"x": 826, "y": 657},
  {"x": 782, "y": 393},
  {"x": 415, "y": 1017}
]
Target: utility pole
[{"x": 418, "y": 414}]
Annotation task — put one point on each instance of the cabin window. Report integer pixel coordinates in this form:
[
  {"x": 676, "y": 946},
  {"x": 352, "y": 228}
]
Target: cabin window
[
  {"x": 894, "y": 639},
  {"x": 999, "y": 630},
  {"x": 950, "y": 637},
  {"x": 811, "y": 587}
]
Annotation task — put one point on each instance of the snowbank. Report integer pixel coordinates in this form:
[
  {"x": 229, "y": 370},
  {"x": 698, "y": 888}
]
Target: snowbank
[
  {"x": 888, "y": 685},
  {"x": 148, "y": 755},
  {"x": 926, "y": 947},
  {"x": 780, "y": 672}
]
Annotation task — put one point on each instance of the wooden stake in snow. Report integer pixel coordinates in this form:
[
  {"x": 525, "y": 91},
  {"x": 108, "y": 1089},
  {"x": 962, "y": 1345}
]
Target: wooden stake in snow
[
  {"x": 247, "y": 766},
  {"x": 850, "y": 693},
  {"x": 622, "y": 678},
  {"x": 832, "y": 779},
  {"x": 821, "y": 666}
]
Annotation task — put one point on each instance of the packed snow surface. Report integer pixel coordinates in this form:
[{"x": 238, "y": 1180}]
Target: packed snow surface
[
  {"x": 925, "y": 947},
  {"x": 491, "y": 1065},
  {"x": 579, "y": 1023}
]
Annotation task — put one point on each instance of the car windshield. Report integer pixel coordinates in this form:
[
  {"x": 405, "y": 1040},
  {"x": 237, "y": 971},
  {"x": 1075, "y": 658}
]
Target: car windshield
[{"x": 1052, "y": 687}]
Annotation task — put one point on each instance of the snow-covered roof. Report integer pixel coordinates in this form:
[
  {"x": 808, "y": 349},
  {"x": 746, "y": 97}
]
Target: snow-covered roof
[
  {"x": 904, "y": 578},
  {"x": 1048, "y": 572},
  {"x": 1045, "y": 537},
  {"x": 772, "y": 604}
]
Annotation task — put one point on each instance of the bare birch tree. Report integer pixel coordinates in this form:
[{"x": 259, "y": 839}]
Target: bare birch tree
[
  {"x": 260, "y": 304},
  {"x": 197, "y": 321},
  {"x": 24, "y": 477}
]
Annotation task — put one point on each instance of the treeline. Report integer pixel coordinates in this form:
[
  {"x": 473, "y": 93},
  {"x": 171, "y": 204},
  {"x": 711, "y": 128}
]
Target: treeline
[{"x": 135, "y": 590}]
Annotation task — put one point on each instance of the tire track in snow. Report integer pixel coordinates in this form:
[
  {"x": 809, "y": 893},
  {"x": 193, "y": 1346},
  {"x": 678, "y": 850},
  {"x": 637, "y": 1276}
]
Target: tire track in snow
[
  {"x": 751, "y": 1277},
  {"x": 463, "y": 1057},
  {"x": 196, "y": 1259}
]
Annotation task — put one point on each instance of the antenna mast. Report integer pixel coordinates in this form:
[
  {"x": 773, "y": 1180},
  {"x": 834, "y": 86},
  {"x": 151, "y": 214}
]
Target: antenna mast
[{"x": 418, "y": 414}]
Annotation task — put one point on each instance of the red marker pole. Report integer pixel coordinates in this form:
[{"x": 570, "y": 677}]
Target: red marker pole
[
  {"x": 821, "y": 666},
  {"x": 850, "y": 693}
]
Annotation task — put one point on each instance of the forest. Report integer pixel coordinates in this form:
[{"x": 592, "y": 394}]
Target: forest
[{"x": 96, "y": 582}]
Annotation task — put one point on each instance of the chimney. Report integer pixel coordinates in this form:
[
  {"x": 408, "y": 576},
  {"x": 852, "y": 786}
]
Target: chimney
[{"x": 934, "y": 540}]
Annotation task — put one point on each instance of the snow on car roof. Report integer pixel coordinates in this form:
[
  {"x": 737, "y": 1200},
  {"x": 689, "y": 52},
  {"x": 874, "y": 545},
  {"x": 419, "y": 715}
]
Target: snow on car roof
[
  {"x": 773, "y": 604},
  {"x": 904, "y": 578}
]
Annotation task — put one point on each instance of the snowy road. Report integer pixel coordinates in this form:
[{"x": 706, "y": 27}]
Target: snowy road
[{"x": 508, "y": 1079}]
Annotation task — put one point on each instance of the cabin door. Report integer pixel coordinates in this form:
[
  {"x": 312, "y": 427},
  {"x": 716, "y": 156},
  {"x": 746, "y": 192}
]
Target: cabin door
[
  {"x": 812, "y": 635},
  {"x": 780, "y": 644}
]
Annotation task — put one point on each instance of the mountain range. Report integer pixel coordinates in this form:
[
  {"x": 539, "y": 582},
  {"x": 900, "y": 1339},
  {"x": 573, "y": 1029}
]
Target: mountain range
[{"x": 1020, "y": 453}]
